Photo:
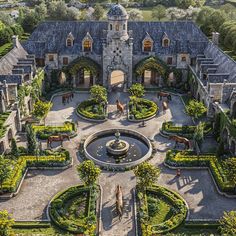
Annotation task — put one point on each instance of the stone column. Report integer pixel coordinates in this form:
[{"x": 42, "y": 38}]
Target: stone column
[
  {"x": 91, "y": 79},
  {"x": 2, "y": 102},
  {"x": 5, "y": 90},
  {"x": 18, "y": 115},
  {"x": 73, "y": 81}
]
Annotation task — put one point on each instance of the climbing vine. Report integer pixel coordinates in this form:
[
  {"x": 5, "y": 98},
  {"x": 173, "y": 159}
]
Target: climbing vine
[{"x": 82, "y": 63}]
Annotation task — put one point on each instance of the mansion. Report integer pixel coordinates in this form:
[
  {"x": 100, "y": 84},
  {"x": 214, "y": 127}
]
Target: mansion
[{"x": 122, "y": 52}]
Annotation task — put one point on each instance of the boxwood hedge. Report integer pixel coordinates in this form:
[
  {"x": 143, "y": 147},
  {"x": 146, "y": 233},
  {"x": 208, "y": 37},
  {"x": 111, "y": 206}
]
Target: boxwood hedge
[{"x": 189, "y": 159}]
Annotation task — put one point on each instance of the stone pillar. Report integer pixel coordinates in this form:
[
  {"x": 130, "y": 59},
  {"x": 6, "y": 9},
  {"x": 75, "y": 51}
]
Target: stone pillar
[
  {"x": 5, "y": 90},
  {"x": 2, "y": 102},
  {"x": 91, "y": 78},
  {"x": 215, "y": 38},
  {"x": 18, "y": 115},
  {"x": 74, "y": 81},
  {"x": 81, "y": 76}
]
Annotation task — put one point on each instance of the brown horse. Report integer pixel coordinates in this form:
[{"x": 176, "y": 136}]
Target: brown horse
[
  {"x": 57, "y": 138},
  {"x": 119, "y": 201},
  {"x": 179, "y": 139},
  {"x": 161, "y": 95},
  {"x": 120, "y": 107},
  {"x": 67, "y": 97}
]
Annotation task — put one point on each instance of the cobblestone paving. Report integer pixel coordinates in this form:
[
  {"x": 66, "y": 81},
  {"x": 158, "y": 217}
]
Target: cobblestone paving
[{"x": 196, "y": 186}]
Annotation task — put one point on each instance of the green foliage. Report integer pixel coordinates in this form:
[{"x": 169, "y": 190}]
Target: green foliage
[
  {"x": 159, "y": 12},
  {"x": 3, "y": 128},
  {"x": 88, "y": 172},
  {"x": 6, "y": 35},
  {"x": 137, "y": 90},
  {"x": 18, "y": 167},
  {"x": 146, "y": 174},
  {"x": 231, "y": 166},
  {"x": 98, "y": 93},
  {"x": 228, "y": 223},
  {"x": 43, "y": 132},
  {"x": 14, "y": 148},
  {"x": 90, "y": 109},
  {"x": 184, "y": 3},
  {"x": 195, "y": 109},
  {"x": 98, "y": 12},
  {"x": 5, "y": 170},
  {"x": 31, "y": 140},
  {"x": 142, "y": 108},
  {"x": 161, "y": 210},
  {"x": 41, "y": 108},
  {"x": 219, "y": 170},
  {"x": 6, "y": 223},
  {"x": 74, "y": 210},
  {"x": 198, "y": 135}
]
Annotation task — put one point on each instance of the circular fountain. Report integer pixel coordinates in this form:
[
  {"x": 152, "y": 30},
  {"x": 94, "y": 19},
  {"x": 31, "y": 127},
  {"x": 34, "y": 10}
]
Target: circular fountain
[{"x": 117, "y": 148}]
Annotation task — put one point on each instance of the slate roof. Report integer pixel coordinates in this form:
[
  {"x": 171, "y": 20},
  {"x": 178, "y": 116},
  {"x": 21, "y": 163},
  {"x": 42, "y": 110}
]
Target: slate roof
[
  {"x": 51, "y": 37},
  {"x": 11, "y": 58}
]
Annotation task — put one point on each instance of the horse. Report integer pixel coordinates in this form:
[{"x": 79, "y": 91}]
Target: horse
[
  {"x": 160, "y": 95},
  {"x": 119, "y": 201},
  {"x": 179, "y": 139},
  {"x": 120, "y": 107},
  {"x": 57, "y": 138},
  {"x": 164, "y": 106},
  {"x": 67, "y": 97}
]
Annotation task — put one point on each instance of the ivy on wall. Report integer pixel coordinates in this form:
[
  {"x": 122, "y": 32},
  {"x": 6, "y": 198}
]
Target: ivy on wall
[{"x": 82, "y": 63}]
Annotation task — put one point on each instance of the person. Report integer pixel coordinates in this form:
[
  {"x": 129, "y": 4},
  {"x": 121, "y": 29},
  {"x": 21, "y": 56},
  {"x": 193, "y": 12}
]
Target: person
[{"x": 178, "y": 173}]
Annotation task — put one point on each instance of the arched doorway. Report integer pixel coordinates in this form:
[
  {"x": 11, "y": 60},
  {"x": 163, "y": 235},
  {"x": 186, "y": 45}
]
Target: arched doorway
[
  {"x": 150, "y": 78},
  {"x": 117, "y": 79}
]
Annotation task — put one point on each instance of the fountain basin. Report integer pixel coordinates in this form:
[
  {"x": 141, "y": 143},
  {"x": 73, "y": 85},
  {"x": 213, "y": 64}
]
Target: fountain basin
[
  {"x": 120, "y": 150},
  {"x": 139, "y": 149}
]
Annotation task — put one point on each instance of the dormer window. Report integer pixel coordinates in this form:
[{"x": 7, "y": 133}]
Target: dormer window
[
  {"x": 110, "y": 26},
  {"x": 166, "y": 42},
  {"x": 147, "y": 45},
  {"x": 50, "y": 57},
  {"x": 70, "y": 40},
  {"x": 87, "y": 46},
  {"x": 69, "y": 43}
]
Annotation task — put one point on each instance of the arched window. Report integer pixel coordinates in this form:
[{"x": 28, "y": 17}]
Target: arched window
[
  {"x": 147, "y": 46},
  {"x": 69, "y": 43},
  {"x": 87, "y": 45},
  {"x": 166, "y": 42},
  {"x": 110, "y": 26},
  {"x": 117, "y": 27}
]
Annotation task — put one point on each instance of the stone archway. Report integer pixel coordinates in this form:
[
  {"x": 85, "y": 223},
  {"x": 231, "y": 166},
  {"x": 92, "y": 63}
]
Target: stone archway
[
  {"x": 9, "y": 136},
  {"x": 117, "y": 79},
  {"x": 84, "y": 72}
]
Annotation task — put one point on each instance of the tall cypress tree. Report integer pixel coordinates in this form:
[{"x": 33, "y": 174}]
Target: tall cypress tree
[
  {"x": 14, "y": 148},
  {"x": 31, "y": 140}
]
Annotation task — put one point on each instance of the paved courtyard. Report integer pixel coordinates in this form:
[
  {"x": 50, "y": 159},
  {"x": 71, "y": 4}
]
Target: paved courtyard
[{"x": 196, "y": 186}]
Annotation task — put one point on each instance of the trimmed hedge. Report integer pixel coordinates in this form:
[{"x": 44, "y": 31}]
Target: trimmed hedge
[
  {"x": 19, "y": 167},
  {"x": 185, "y": 130},
  {"x": 91, "y": 110},
  {"x": 143, "y": 109},
  {"x": 61, "y": 200},
  {"x": 189, "y": 159},
  {"x": 43, "y": 132},
  {"x": 175, "y": 200}
]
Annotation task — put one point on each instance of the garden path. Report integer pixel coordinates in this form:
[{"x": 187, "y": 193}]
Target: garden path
[{"x": 195, "y": 186}]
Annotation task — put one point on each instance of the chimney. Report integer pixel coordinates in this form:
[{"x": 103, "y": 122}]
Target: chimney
[
  {"x": 15, "y": 41},
  {"x": 215, "y": 38}
]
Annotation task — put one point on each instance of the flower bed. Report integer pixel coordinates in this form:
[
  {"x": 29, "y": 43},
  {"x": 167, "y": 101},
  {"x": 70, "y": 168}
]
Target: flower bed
[
  {"x": 184, "y": 130},
  {"x": 19, "y": 167},
  {"x": 188, "y": 159},
  {"x": 43, "y": 132},
  {"x": 140, "y": 109},
  {"x": 74, "y": 210},
  {"x": 91, "y": 110},
  {"x": 161, "y": 210}
]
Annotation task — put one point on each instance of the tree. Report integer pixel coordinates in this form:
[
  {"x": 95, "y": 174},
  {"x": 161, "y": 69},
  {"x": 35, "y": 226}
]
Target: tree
[
  {"x": 137, "y": 90},
  {"x": 195, "y": 109},
  {"x": 135, "y": 15},
  {"x": 14, "y": 148},
  {"x": 17, "y": 29},
  {"x": 2, "y": 25},
  {"x": 6, "y": 19},
  {"x": 198, "y": 135},
  {"x": 204, "y": 14},
  {"x": 41, "y": 11},
  {"x": 185, "y": 3},
  {"x": 147, "y": 174},
  {"x": 29, "y": 22},
  {"x": 5, "y": 170},
  {"x": 6, "y": 223},
  {"x": 88, "y": 172},
  {"x": 98, "y": 12},
  {"x": 6, "y": 35},
  {"x": 231, "y": 166},
  {"x": 159, "y": 12},
  {"x": 228, "y": 223},
  {"x": 98, "y": 93},
  {"x": 31, "y": 140},
  {"x": 41, "y": 108}
]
